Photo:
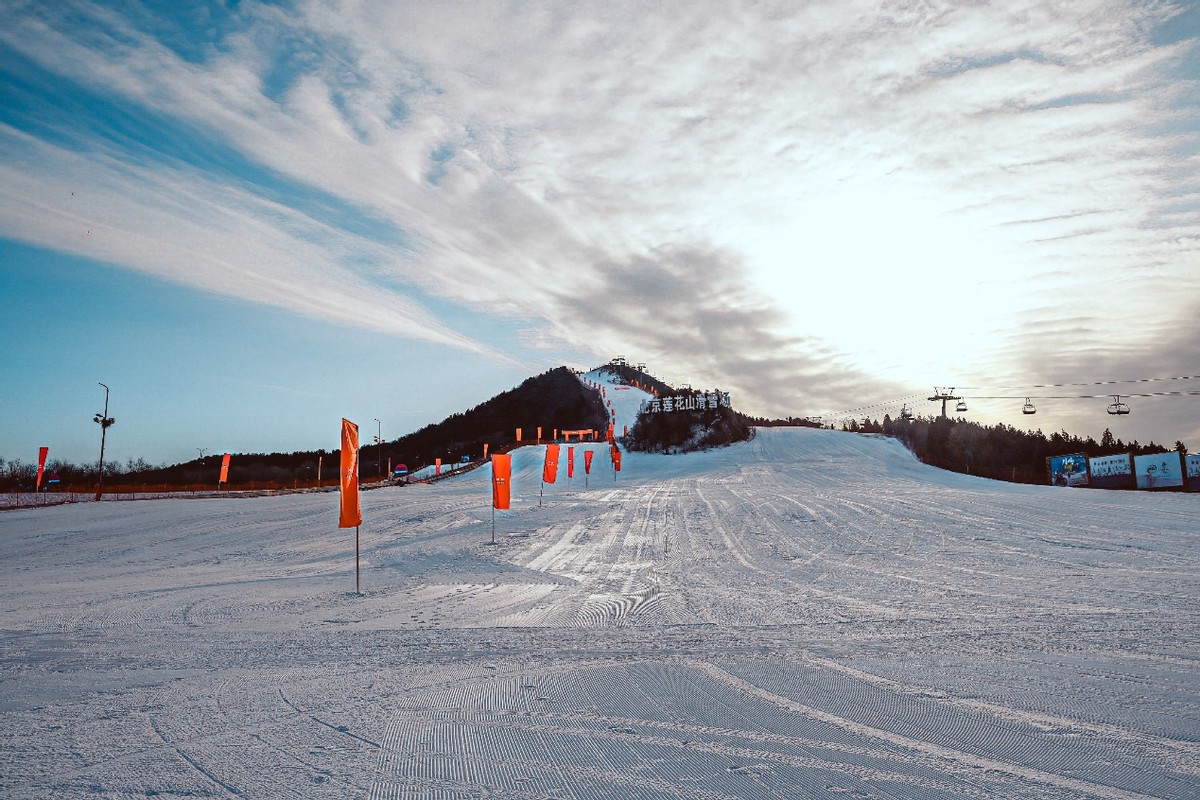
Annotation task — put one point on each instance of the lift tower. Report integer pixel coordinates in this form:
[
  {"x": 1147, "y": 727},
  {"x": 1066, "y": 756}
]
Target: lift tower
[{"x": 945, "y": 395}]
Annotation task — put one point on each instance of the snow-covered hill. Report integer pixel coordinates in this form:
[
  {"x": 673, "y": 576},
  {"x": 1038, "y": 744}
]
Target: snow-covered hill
[{"x": 809, "y": 614}]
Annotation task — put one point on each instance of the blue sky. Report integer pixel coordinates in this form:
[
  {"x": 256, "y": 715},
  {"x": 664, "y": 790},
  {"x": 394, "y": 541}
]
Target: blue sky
[{"x": 252, "y": 219}]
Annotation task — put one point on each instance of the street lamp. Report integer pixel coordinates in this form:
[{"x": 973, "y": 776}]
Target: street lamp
[
  {"x": 200, "y": 466},
  {"x": 379, "y": 451},
  {"x": 104, "y": 421}
]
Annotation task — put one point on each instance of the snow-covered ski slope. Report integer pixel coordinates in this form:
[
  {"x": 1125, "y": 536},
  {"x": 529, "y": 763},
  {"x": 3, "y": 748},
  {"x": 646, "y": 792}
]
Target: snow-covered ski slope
[
  {"x": 811, "y": 614},
  {"x": 622, "y": 401}
]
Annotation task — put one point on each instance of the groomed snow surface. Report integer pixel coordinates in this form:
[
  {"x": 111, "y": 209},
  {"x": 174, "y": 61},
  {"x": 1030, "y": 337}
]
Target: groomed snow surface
[{"x": 812, "y": 614}]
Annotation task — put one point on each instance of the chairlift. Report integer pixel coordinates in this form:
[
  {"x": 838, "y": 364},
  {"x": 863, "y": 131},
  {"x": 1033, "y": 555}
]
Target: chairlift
[
  {"x": 1028, "y": 407},
  {"x": 1117, "y": 407},
  {"x": 961, "y": 407},
  {"x": 905, "y": 413}
]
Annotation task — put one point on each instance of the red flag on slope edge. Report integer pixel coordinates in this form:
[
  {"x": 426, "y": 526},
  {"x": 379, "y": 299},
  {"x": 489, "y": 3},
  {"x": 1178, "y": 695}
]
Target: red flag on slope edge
[{"x": 351, "y": 511}]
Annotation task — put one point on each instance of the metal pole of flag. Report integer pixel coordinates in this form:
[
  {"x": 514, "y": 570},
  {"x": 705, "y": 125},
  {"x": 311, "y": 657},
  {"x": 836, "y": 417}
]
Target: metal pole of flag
[{"x": 357, "y": 590}]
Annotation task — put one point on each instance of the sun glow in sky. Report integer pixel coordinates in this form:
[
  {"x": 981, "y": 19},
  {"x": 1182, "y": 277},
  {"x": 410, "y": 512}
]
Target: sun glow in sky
[{"x": 251, "y": 219}]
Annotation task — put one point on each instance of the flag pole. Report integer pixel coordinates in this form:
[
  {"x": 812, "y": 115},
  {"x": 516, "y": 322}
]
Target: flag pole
[{"x": 356, "y": 569}]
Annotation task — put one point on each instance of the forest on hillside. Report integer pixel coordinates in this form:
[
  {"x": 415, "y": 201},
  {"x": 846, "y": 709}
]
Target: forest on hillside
[
  {"x": 554, "y": 399},
  {"x": 999, "y": 451}
]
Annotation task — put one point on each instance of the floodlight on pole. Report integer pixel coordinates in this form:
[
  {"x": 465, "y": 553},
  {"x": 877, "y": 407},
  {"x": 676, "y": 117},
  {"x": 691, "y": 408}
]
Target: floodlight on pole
[{"x": 104, "y": 421}]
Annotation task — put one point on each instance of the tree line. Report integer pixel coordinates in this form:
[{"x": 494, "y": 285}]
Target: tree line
[
  {"x": 999, "y": 451},
  {"x": 554, "y": 399}
]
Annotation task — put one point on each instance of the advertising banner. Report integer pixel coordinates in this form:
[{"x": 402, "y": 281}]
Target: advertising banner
[
  {"x": 1068, "y": 470},
  {"x": 224, "y": 469},
  {"x": 42, "y": 453},
  {"x": 501, "y": 478},
  {"x": 550, "y": 468},
  {"x": 1158, "y": 471},
  {"x": 587, "y": 462},
  {"x": 1112, "y": 472},
  {"x": 570, "y": 462},
  {"x": 351, "y": 506},
  {"x": 1193, "y": 471}
]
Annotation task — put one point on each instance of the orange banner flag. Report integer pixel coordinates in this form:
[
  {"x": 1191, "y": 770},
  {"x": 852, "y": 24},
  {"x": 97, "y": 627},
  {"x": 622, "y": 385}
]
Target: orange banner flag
[
  {"x": 351, "y": 516},
  {"x": 224, "y": 469},
  {"x": 437, "y": 466},
  {"x": 616, "y": 459},
  {"x": 550, "y": 468},
  {"x": 42, "y": 453},
  {"x": 587, "y": 462},
  {"x": 570, "y": 462},
  {"x": 485, "y": 448},
  {"x": 501, "y": 480},
  {"x": 518, "y": 434}
]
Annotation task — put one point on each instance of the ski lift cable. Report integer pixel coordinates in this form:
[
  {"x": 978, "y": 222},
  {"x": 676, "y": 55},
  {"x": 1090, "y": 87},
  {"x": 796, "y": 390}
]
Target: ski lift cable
[
  {"x": 1088, "y": 383},
  {"x": 850, "y": 412},
  {"x": 883, "y": 404},
  {"x": 1083, "y": 396}
]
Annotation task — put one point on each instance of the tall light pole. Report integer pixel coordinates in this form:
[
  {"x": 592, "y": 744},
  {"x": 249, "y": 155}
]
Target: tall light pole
[
  {"x": 200, "y": 468},
  {"x": 105, "y": 421},
  {"x": 379, "y": 451}
]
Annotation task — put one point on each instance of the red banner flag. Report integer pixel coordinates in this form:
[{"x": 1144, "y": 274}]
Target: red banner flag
[
  {"x": 616, "y": 459},
  {"x": 501, "y": 480},
  {"x": 224, "y": 469},
  {"x": 351, "y": 513},
  {"x": 437, "y": 466},
  {"x": 42, "y": 453},
  {"x": 587, "y": 462},
  {"x": 570, "y": 462},
  {"x": 539, "y": 436},
  {"x": 550, "y": 468}
]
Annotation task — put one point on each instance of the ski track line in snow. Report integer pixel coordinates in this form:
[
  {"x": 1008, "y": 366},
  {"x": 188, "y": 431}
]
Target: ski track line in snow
[
  {"x": 639, "y": 638},
  {"x": 630, "y": 730},
  {"x": 927, "y": 749},
  {"x": 1047, "y": 722},
  {"x": 442, "y": 709}
]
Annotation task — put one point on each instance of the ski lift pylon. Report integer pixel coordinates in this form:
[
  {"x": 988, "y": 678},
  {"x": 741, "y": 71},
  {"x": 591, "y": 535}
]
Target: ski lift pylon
[{"x": 1028, "y": 408}]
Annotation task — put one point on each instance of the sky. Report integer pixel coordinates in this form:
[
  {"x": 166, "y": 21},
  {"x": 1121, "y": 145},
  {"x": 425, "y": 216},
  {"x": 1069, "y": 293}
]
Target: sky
[{"x": 251, "y": 219}]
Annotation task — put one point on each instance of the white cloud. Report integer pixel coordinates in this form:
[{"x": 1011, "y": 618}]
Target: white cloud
[{"x": 860, "y": 172}]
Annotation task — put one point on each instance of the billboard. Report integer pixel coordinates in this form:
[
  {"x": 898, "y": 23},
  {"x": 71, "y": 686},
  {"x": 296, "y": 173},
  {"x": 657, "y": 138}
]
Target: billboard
[
  {"x": 1159, "y": 471},
  {"x": 1193, "y": 471},
  {"x": 1112, "y": 472},
  {"x": 1069, "y": 470}
]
